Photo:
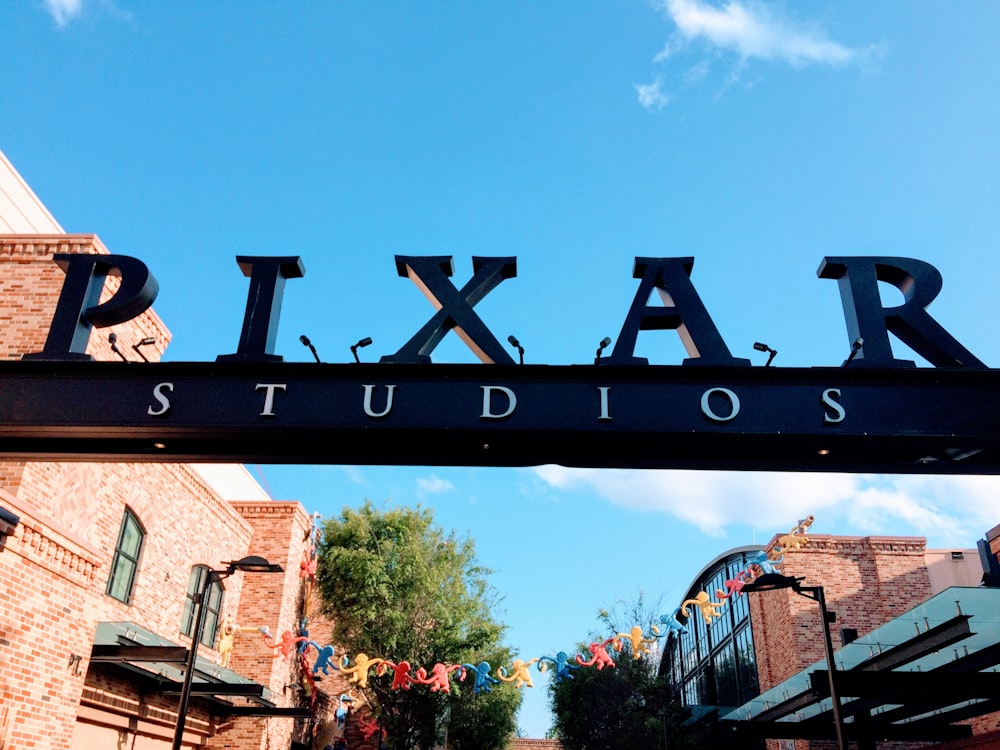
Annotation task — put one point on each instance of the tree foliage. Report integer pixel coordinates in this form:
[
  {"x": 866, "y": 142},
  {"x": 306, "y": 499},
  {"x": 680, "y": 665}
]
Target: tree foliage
[
  {"x": 621, "y": 708},
  {"x": 396, "y": 586}
]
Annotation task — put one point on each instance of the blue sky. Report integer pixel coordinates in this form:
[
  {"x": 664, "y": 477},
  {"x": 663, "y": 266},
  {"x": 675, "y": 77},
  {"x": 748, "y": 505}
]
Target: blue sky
[{"x": 757, "y": 137}]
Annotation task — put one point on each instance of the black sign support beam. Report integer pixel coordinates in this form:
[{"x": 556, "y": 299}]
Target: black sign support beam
[{"x": 917, "y": 421}]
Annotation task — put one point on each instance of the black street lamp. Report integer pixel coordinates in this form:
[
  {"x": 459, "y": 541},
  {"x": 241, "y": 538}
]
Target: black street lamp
[
  {"x": 250, "y": 564},
  {"x": 775, "y": 581}
]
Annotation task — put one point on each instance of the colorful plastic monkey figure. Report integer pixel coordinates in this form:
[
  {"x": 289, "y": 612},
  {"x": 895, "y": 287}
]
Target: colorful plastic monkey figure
[
  {"x": 797, "y": 536},
  {"x": 342, "y": 708},
  {"x": 483, "y": 681},
  {"x": 367, "y": 725},
  {"x": 637, "y": 640},
  {"x": 324, "y": 659},
  {"x": 766, "y": 564},
  {"x": 672, "y": 624},
  {"x": 734, "y": 586},
  {"x": 703, "y": 601},
  {"x": 438, "y": 679},
  {"x": 520, "y": 674},
  {"x": 359, "y": 672},
  {"x": 599, "y": 656},
  {"x": 400, "y": 674},
  {"x": 285, "y": 646},
  {"x": 561, "y": 661},
  {"x": 227, "y": 641}
]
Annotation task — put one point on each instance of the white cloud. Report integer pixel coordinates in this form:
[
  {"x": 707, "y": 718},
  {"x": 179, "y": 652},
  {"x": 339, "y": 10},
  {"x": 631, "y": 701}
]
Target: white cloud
[
  {"x": 434, "y": 485},
  {"x": 753, "y": 31},
  {"x": 949, "y": 511},
  {"x": 697, "y": 72},
  {"x": 650, "y": 95},
  {"x": 63, "y": 11},
  {"x": 354, "y": 474}
]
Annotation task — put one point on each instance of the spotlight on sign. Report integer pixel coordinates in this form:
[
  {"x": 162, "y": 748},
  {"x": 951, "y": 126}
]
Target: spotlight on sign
[
  {"x": 309, "y": 345},
  {"x": 113, "y": 340},
  {"x": 137, "y": 347},
  {"x": 855, "y": 348},
  {"x": 605, "y": 343},
  {"x": 517, "y": 345},
  {"x": 366, "y": 341},
  {"x": 765, "y": 348}
]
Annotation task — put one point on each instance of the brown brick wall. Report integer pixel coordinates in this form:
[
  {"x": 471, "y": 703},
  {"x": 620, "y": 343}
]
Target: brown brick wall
[
  {"x": 867, "y": 582},
  {"x": 281, "y": 534},
  {"x": 520, "y": 744},
  {"x": 55, "y": 563}
]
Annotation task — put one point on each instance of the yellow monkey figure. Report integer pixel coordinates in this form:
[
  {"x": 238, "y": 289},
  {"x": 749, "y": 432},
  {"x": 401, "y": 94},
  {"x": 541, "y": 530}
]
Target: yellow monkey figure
[
  {"x": 709, "y": 609},
  {"x": 520, "y": 675},
  {"x": 359, "y": 672}
]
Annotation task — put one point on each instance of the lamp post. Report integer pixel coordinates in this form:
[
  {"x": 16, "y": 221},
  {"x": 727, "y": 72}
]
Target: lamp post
[
  {"x": 250, "y": 564},
  {"x": 775, "y": 581}
]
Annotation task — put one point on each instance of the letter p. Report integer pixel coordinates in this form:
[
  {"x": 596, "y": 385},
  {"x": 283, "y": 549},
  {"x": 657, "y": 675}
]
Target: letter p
[{"x": 79, "y": 306}]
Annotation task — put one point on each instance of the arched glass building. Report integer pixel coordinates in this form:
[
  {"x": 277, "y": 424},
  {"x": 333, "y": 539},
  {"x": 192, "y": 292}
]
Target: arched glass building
[{"x": 714, "y": 665}]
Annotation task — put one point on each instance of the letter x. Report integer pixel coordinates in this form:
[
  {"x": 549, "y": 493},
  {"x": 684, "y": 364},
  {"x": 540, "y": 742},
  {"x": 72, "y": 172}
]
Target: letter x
[{"x": 454, "y": 306}]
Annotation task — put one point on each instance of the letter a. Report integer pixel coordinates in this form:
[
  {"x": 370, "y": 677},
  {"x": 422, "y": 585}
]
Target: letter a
[{"x": 682, "y": 311}]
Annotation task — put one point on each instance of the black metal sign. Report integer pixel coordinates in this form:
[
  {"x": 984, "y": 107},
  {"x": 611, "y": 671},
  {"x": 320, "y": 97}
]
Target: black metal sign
[{"x": 880, "y": 414}]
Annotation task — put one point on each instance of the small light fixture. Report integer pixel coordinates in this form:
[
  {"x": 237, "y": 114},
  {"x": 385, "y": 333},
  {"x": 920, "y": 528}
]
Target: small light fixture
[
  {"x": 517, "y": 345},
  {"x": 136, "y": 347},
  {"x": 855, "y": 348},
  {"x": 824, "y": 451},
  {"x": 605, "y": 343},
  {"x": 366, "y": 341},
  {"x": 309, "y": 345},
  {"x": 765, "y": 348},
  {"x": 113, "y": 340}
]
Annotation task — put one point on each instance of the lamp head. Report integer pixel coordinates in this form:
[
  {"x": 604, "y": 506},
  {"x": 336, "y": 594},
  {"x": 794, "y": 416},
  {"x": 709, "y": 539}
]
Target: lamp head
[{"x": 253, "y": 564}]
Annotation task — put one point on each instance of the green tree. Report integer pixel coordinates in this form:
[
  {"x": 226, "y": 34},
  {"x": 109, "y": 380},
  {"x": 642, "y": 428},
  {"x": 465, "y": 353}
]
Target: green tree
[
  {"x": 621, "y": 708},
  {"x": 486, "y": 720},
  {"x": 396, "y": 586}
]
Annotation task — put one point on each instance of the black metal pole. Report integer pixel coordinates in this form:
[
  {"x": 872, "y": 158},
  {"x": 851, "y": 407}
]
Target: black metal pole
[
  {"x": 820, "y": 597},
  {"x": 199, "y": 623}
]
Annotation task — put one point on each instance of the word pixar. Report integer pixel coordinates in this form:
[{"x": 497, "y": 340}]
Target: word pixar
[{"x": 869, "y": 322}]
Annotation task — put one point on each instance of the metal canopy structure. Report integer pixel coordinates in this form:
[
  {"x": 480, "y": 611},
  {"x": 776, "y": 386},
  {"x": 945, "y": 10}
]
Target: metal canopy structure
[
  {"x": 914, "y": 678},
  {"x": 158, "y": 661},
  {"x": 903, "y": 421}
]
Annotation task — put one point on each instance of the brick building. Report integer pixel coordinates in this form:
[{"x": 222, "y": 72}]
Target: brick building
[
  {"x": 99, "y": 563},
  {"x": 769, "y": 640}
]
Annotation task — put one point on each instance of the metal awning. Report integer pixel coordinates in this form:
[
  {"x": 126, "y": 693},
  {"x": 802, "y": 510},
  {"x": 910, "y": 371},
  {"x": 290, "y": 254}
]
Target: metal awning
[
  {"x": 912, "y": 678},
  {"x": 161, "y": 662}
]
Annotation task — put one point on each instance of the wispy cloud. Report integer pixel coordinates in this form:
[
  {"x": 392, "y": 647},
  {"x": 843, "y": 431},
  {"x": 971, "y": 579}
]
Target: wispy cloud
[
  {"x": 752, "y": 30},
  {"x": 354, "y": 474},
  {"x": 434, "y": 485},
  {"x": 745, "y": 31},
  {"x": 950, "y": 511},
  {"x": 651, "y": 96},
  {"x": 63, "y": 11}
]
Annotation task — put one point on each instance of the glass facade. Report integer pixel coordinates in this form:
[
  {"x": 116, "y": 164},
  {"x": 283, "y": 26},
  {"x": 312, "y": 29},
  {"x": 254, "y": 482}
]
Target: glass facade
[{"x": 715, "y": 665}]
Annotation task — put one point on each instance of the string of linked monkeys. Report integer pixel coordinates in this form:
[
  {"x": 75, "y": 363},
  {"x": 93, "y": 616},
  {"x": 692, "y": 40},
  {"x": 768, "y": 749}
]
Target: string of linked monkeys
[{"x": 317, "y": 661}]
